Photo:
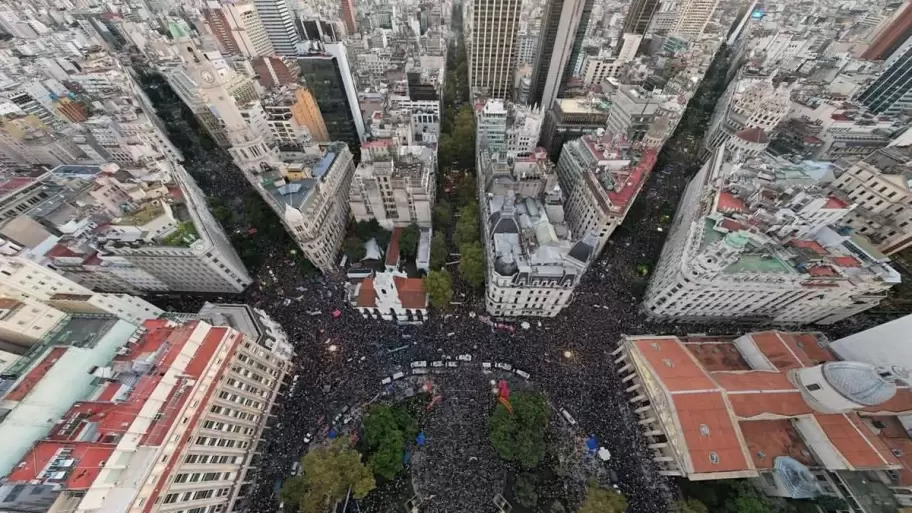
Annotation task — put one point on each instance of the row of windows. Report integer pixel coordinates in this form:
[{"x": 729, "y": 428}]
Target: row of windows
[
  {"x": 237, "y": 414},
  {"x": 227, "y": 427},
  {"x": 199, "y": 495},
  {"x": 221, "y": 442},
  {"x": 214, "y": 459}
]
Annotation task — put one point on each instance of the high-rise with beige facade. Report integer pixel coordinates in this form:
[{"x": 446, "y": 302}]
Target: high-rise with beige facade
[{"x": 493, "y": 25}]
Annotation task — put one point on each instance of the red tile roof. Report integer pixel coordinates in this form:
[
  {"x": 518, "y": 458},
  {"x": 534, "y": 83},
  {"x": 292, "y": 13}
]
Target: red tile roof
[
  {"x": 855, "y": 441},
  {"x": 752, "y": 380},
  {"x": 89, "y": 460},
  {"x": 780, "y": 350},
  {"x": 634, "y": 181},
  {"x": 674, "y": 365},
  {"x": 822, "y": 271},
  {"x": 768, "y": 439},
  {"x": 783, "y": 404},
  {"x": 708, "y": 429},
  {"x": 846, "y": 261},
  {"x": 392, "y": 253},
  {"x": 367, "y": 295},
  {"x": 811, "y": 245},
  {"x": 728, "y": 202},
  {"x": 411, "y": 292}
]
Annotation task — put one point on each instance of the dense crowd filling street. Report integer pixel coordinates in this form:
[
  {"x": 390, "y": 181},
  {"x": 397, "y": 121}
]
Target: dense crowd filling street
[{"x": 341, "y": 361}]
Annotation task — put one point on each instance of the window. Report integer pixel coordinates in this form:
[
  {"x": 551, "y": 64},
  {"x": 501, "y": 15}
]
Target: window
[{"x": 813, "y": 387}]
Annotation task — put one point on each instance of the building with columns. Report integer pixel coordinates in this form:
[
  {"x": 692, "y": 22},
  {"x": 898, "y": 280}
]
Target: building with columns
[{"x": 777, "y": 408}]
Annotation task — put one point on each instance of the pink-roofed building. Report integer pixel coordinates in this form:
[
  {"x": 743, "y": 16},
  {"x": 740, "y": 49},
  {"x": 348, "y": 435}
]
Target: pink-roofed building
[
  {"x": 749, "y": 406},
  {"x": 146, "y": 433}
]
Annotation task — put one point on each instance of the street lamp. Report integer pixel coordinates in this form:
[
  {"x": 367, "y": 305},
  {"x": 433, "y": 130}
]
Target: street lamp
[
  {"x": 568, "y": 354},
  {"x": 332, "y": 348}
]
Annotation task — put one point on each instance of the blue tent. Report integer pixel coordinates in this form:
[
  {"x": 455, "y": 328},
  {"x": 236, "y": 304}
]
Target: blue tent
[
  {"x": 592, "y": 444},
  {"x": 332, "y": 434},
  {"x": 420, "y": 439}
]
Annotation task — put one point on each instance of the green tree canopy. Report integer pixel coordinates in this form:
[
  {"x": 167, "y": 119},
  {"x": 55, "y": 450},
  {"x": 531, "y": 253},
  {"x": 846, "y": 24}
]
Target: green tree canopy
[
  {"x": 520, "y": 436},
  {"x": 353, "y": 247},
  {"x": 602, "y": 500},
  {"x": 443, "y": 216},
  {"x": 327, "y": 473},
  {"x": 472, "y": 265},
  {"x": 526, "y": 490},
  {"x": 439, "y": 251},
  {"x": 690, "y": 506},
  {"x": 467, "y": 228},
  {"x": 386, "y": 431},
  {"x": 408, "y": 241},
  {"x": 439, "y": 286}
]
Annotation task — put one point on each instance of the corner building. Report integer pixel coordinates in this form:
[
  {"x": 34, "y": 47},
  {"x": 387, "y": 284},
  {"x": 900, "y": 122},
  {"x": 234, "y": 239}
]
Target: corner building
[{"x": 750, "y": 242}]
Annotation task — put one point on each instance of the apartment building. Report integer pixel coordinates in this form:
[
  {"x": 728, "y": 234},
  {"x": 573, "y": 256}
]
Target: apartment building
[
  {"x": 601, "y": 177},
  {"x": 33, "y": 284},
  {"x": 876, "y": 184},
  {"x": 506, "y": 127},
  {"x": 294, "y": 118},
  {"x": 394, "y": 184},
  {"x": 749, "y": 242},
  {"x": 180, "y": 438},
  {"x": 747, "y": 103}
]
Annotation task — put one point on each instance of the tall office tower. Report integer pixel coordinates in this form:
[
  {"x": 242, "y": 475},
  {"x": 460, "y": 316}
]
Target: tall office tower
[
  {"x": 172, "y": 419},
  {"x": 347, "y": 10},
  {"x": 892, "y": 36},
  {"x": 693, "y": 15},
  {"x": 492, "y": 52},
  {"x": 639, "y": 16},
  {"x": 559, "y": 32},
  {"x": 891, "y": 92},
  {"x": 577, "y": 53},
  {"x": 278, "y": 20},
  {"x": 325, "y": 70},
  {"x": 238, "y": 28}
]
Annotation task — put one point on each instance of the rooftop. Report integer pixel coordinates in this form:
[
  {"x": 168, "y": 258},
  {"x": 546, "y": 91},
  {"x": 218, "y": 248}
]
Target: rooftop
[{"x": 736, "y": 416}]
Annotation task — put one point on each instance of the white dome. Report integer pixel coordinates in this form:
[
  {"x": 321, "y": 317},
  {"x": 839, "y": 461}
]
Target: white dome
[{"x": 861, "y": 383}]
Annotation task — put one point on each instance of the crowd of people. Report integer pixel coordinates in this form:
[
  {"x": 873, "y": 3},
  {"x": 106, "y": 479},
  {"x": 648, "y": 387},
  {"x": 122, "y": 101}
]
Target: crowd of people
[{"x": 342, "y": 360}]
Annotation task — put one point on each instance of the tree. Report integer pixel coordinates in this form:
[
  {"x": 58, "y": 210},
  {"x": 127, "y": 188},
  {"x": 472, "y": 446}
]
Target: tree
[
  {"x": 353, "y": 247},
  {"x": 520, "y": 436},
  {"x": 443, "y": 215},
  {"x": 439, "y": 251},
  {"x": 408, "y": 241},
  {"x": 831, "y": 503},
  {"x": 472, "y": 265},
  {"x": 467, "y": 228},
  {"x": 386, "y": 431},
  {"x": 526, "y": 493},
  {"x": 557, "y": 507},
  {"x": 439, "y": 286},
  {"x": 327, "y": 473},
  {"x": 690, "y": 506},
  {"x": 748, "y": 504},
  {"x": 601, "y": 500}
]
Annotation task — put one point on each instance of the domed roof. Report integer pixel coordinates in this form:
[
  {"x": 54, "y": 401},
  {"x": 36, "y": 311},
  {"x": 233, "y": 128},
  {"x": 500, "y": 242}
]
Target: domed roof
[
  {"x": 753, "y": 135},
  {"x": 859, "y": 382}
]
